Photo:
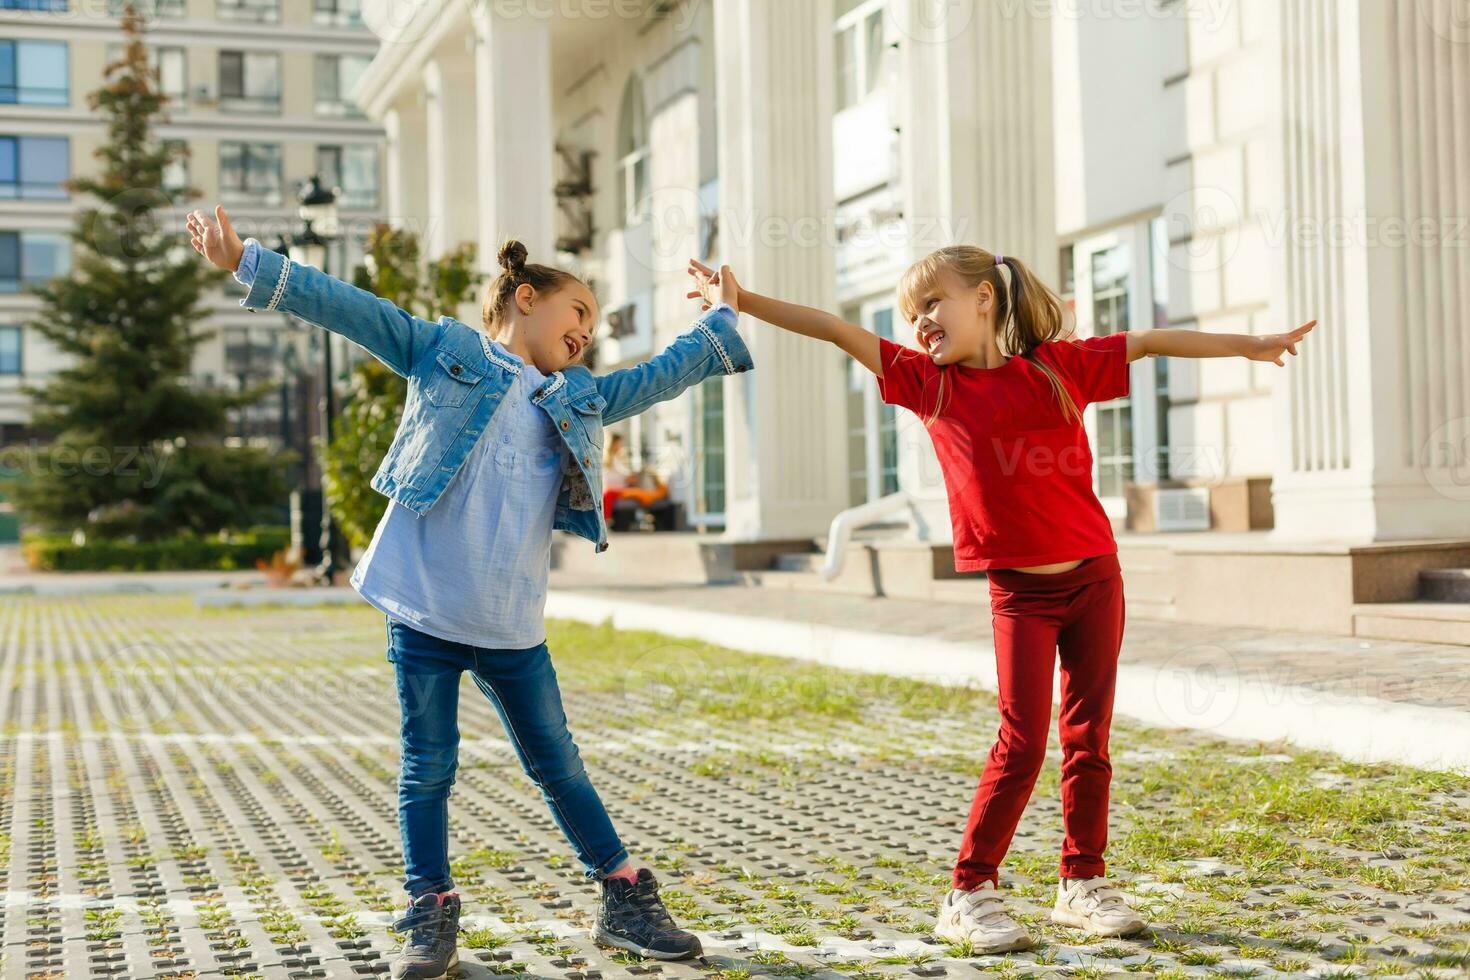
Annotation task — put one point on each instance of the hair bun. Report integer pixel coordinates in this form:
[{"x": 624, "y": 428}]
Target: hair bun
[{"x": 512, "y": 256}]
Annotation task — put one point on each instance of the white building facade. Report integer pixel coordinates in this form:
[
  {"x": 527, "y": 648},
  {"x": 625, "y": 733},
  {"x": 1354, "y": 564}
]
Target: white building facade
[{"x": 1223, "y": 165}]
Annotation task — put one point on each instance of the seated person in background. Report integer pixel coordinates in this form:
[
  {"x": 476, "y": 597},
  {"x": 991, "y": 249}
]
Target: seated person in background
[
  {"x": 616, "y": 471},
  {"x": 621, "y": 480}
]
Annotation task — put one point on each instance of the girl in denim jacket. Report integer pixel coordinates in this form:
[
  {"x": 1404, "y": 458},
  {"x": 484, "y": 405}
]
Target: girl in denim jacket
[{"x": 500, "y": 443}]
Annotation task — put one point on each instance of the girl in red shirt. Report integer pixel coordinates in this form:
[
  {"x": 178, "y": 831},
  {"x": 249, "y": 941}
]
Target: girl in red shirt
[{"x": 1000, "y": 388}]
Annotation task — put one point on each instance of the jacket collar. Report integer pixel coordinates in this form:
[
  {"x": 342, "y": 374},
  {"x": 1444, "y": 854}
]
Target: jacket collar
[{"x": 576, "y": 379}]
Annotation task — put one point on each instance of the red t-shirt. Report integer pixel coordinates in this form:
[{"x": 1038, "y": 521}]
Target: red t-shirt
[{"x": 1018, "y": 475}]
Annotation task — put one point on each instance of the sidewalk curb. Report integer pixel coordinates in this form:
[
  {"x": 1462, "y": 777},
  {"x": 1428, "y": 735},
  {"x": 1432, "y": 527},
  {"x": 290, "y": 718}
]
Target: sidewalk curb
[
  {"x": 118, "y": 584},
  {"x": 336, "y": 595},
  {"x": 1225, "y": 703}
]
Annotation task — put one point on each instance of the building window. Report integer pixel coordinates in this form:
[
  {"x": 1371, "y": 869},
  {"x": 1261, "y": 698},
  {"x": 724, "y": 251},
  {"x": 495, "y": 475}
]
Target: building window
[
  {"x": 249, "y": 81},
  {"x": 170, "y": 64},
  {"x": 250, "y": 173},
  {"x": 709, "y": 455},
  {"x": 9, "y": 350},
  {"x": 353, "y": 169},
  {"x": 1159, "y": 268},
  {"x": 34, "y": 73},
  {"x": 149, "y": 9},
  {"x": 32, "y": 257},
  {"x": 872, "y": 426},
  {"x": 633, "y": 202},
  {"x": 253, "y": 355},
  {"x": 623, "y": 321},
  {"x": 858, "y": 57},
  {"x": 335, "y": 76},
  {"x": 176, "y": 171},
  {"x": 260, "y": 11},
  {"x": 1111, "y": 269},
  {"x": 34, "y": 167},
  {"x": 337, "y": 13}
]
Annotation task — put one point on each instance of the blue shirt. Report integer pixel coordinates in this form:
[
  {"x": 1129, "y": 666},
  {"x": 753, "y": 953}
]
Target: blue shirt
[{"x": 474, "y": 568}]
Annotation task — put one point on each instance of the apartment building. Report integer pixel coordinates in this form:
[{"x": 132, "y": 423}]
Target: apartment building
[{"x": 258, "y": 92}]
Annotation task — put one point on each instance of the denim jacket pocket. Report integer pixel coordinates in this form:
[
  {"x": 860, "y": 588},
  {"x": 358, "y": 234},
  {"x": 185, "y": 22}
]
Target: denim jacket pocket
[
  {"x": 588, "y": 407},
  {"x": 449, "y": 381}
]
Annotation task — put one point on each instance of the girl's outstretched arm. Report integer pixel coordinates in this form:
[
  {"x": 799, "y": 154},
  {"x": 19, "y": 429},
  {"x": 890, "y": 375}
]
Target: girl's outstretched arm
[
  {"x": 860, "y": 344},
  {"x": 1195, "y": 343},
  {"x": 393, "y": 336}
]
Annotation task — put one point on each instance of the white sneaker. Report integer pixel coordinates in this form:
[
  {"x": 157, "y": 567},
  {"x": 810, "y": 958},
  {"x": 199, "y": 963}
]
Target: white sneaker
[
  {"x": 978, "y": 917},
  {"x": 1095, "y": 904}
]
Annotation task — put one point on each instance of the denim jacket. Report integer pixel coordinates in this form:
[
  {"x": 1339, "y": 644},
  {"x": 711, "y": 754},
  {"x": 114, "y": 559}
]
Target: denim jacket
[{"x": 456, "y": 381}]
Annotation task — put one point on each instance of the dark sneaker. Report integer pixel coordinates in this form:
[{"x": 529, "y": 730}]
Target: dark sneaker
[
  {"x": 632, "y": 916},
  {"x": 432, "y": 947}
]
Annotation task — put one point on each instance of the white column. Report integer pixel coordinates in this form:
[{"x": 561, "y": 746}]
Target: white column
[
  {"x": 785, "y": 427},
  {"x": 406, "y": 173},
  {"x": 517, "y": 178},
  {"x": 1373, "y": 412},
  {"x": 453, "y": 172},
  {"x": 976, "y": 162}
]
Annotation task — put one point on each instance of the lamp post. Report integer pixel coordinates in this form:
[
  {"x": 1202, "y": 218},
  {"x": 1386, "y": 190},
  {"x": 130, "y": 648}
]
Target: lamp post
[{"x": 310, "y": 246}]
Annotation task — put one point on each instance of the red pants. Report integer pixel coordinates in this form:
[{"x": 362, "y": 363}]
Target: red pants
[{"x": 1081, "y": 612}]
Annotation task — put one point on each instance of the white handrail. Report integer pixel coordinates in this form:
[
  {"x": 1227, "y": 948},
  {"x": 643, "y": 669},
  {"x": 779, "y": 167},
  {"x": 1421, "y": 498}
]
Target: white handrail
[{"x": 840, "y": 533}]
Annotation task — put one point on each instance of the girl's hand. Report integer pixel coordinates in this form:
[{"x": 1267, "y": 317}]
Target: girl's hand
[
  {"x": 714, "y": 287},
  {"x": 1270, "y": 347},
  {"x": 216, "y": 240}
]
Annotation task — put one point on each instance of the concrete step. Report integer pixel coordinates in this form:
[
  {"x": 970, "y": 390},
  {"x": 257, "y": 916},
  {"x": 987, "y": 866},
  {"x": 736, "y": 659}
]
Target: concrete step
[
  {"x": 1415, "y": 622},
  {"x": 799, "y": 561},
  {"x": 801, "y": 581},
  {"x": 1146, "y": 607},
  {"x": 1445, "y": 584}
]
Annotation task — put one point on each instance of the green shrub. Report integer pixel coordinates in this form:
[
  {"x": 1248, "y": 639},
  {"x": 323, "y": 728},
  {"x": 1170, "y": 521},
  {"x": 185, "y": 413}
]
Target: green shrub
[{"x": 226, "y": 551}]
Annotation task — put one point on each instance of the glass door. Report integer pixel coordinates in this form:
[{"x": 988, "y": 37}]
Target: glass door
[
  {"x": 872, "y": 426},
  {"x": 1106, "y": 284},
  {"x": 709, "y": 454}
]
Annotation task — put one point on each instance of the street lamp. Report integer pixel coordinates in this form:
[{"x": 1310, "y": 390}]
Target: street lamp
[{"x": 310, "y": 247}]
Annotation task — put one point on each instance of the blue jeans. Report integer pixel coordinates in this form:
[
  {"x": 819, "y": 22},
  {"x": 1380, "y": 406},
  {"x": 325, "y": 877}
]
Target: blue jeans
[{"x": 522, "y": 686}]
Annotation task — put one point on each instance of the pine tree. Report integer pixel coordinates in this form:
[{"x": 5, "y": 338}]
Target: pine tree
[
  {"x": 369, "y": 418},
  {"x": 137, "y": 449}
]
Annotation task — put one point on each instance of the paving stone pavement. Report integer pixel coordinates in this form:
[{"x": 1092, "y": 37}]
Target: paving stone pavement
[{"x": 195, "y": 792}]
